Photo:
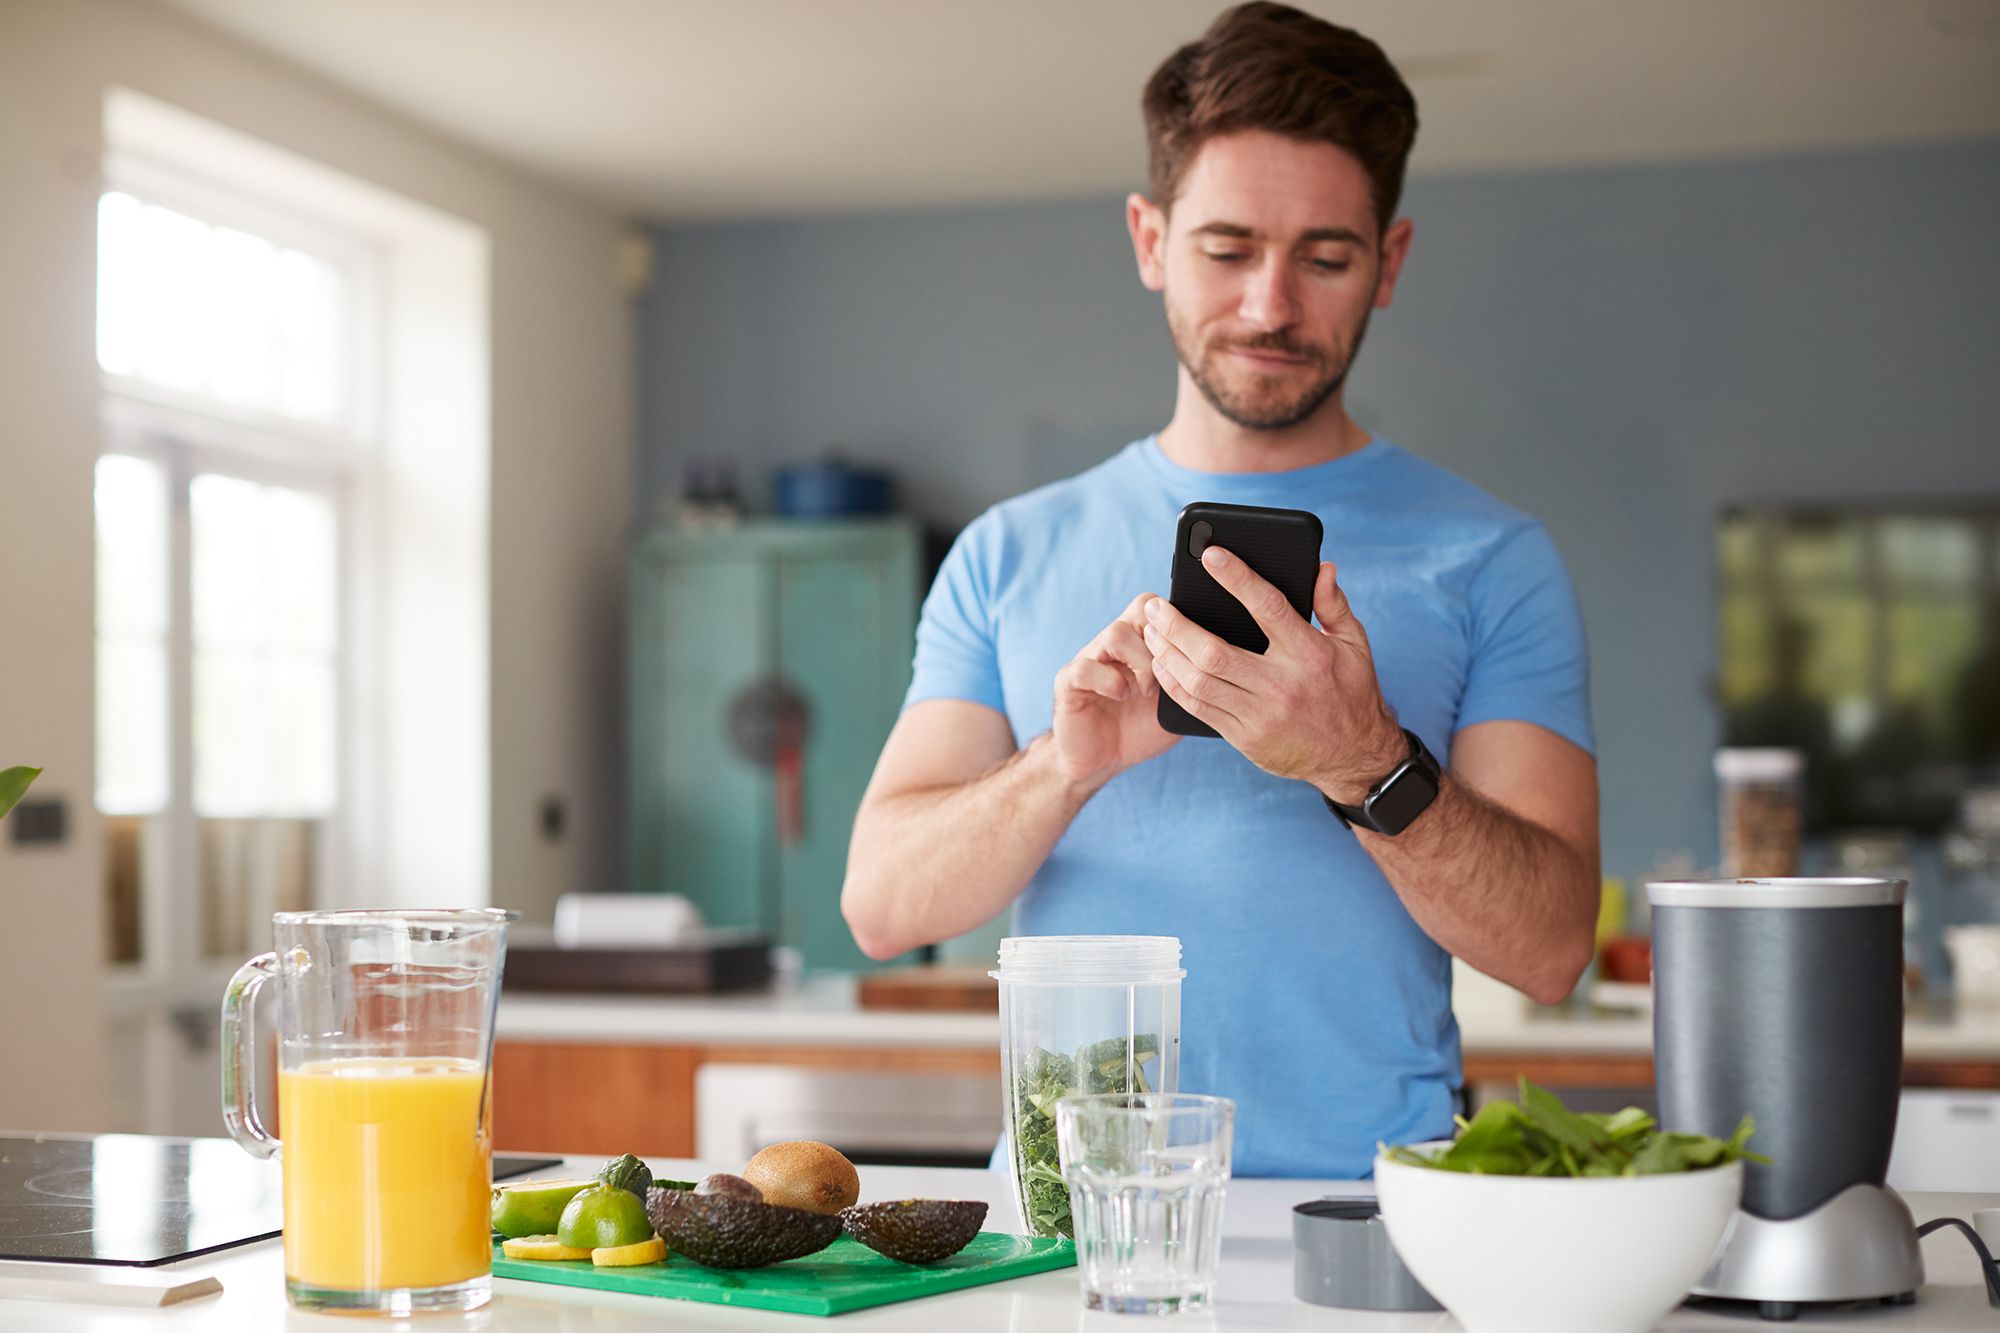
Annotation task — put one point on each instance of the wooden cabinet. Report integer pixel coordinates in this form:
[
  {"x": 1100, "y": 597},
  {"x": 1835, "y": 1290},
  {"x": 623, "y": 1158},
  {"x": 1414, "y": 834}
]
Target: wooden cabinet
[
  {"x": 603, "y": 1099},
  {"x": 594, "y": 1100},
  {"x": 731, "y": 630}
]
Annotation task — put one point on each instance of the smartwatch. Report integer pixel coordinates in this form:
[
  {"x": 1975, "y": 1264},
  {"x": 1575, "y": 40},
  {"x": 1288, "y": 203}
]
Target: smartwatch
[{"x": 1394, "y": 803}]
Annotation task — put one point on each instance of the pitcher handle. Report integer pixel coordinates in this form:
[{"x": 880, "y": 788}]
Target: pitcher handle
[{"x": 239, "y": 1056}]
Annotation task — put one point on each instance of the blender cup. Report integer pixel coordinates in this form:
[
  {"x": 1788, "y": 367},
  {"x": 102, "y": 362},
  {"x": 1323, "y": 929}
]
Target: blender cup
[
  {"x": 1080, "y": 1015},
  {"x": 385, "y": 1042}
]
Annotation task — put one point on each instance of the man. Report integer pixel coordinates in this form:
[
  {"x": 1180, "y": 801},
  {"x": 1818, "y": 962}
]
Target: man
[{"x": 1318, "y": 954}]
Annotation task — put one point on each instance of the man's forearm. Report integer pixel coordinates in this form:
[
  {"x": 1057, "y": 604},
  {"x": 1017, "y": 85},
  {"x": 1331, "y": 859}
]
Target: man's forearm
[
  {"x": 927, "y": 865},
  {"x": 1499, "y": 891}
]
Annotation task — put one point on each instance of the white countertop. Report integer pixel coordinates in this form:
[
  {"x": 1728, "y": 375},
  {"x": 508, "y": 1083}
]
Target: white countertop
[
  {"x": 1254, "y": 1291},
  {"x": 823, "y": 1011}
]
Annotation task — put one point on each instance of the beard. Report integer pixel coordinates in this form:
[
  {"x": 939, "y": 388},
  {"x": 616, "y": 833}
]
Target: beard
[{"x": 1257, "y": 401}]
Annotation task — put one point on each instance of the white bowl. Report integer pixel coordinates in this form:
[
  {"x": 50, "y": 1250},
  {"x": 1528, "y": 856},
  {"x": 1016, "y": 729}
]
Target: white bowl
[{"x": 1528, "y": 1254}]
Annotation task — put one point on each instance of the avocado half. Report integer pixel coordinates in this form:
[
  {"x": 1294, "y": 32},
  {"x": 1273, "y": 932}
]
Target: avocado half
[
  {"x": 725, "y": 1232},
  {"x": 916, "y": 1231}
]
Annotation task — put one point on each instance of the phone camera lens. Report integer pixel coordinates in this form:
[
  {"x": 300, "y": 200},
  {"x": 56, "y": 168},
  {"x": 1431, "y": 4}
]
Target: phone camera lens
[{"x": 1199, "y": 536}]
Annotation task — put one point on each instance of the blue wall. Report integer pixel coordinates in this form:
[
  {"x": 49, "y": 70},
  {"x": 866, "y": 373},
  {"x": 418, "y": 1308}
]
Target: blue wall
[{"x": 1619, "y": 351}]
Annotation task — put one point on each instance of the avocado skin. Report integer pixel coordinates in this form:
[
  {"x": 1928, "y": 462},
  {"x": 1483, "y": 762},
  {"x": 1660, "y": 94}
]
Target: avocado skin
[
  {"x": 627, "y": 1173},
  {"x": 915, "y": 1231},
  {"x": 724, "y": 1232}
]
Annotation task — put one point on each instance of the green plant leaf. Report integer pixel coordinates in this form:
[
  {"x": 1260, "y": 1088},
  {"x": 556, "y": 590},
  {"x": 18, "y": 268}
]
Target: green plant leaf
[
  {"x": 14, "y": 782},
  {"x": 1540, "y": 1136}
]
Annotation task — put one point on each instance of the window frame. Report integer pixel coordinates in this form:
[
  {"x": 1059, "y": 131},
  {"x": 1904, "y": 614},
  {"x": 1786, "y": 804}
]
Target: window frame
[
  {"x": 188, "y": 434},
  {"x": 354, "y": 260}
]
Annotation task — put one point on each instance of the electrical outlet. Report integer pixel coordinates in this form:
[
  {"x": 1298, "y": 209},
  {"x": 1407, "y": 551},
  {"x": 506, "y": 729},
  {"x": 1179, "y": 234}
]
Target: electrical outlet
[
  {"x": 552, "y": 818},
  {"x": 46, "y": 820}
]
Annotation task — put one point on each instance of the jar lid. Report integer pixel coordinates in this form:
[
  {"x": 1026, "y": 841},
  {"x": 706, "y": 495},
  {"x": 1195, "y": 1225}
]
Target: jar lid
[
  {"x": 1746, "y": 765},
  {"x": 1849, "y": 892},
  {"x": 1089, "y": 960}
]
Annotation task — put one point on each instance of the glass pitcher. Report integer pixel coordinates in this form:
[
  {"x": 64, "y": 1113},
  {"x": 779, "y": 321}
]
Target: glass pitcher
[{"x": 385, "y": 1039}]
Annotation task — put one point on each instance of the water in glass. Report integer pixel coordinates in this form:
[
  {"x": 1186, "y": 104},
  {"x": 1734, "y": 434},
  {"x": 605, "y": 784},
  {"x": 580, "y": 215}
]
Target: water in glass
[{"x": 1146, "y": 1178}]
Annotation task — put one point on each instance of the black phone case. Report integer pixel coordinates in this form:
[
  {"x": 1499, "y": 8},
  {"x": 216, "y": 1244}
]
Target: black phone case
[{"x": 1281, "y": 545}]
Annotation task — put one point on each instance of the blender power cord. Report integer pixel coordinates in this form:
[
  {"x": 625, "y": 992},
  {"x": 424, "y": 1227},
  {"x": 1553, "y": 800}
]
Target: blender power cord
[{"x": 1986, "y": 1263}]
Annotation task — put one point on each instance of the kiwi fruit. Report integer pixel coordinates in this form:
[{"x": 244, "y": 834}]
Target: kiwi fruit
[{"x": 805, "y": 1174}]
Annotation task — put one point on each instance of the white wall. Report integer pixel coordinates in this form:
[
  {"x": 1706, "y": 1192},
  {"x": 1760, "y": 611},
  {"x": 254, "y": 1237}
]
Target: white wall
[{"x": 560, "y": 471}]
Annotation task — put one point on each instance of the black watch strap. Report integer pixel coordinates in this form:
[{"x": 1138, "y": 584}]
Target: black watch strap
[{"x": 1394, "y": 803}]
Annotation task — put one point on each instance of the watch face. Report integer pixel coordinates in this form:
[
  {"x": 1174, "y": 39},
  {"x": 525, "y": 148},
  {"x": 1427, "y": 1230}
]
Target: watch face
[{"x": 1407, "y": 794}]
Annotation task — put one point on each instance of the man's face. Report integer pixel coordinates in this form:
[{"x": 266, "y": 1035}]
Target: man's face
[{"x": 1270, "y": 263}]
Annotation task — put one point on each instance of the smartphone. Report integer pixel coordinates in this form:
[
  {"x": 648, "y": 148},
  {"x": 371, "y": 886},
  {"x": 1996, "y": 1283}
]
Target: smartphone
[{"x": 1281, "y": 545}]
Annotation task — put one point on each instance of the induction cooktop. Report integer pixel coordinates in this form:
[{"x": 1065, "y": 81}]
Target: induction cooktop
[{"x": 135, "y": 1200}]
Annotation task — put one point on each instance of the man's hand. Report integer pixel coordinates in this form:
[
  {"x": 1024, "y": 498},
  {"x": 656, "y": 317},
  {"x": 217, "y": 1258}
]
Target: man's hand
[
  {"x": 1107, "y": 704},
  {"x": 1308, "y": 707}
]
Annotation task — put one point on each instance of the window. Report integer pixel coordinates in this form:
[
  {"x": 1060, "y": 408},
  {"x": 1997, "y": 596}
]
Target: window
[
  {"x": 225, "y": 505},
  {"x": 1869, "y": 639},
  {"x": 218, "y": 312}
]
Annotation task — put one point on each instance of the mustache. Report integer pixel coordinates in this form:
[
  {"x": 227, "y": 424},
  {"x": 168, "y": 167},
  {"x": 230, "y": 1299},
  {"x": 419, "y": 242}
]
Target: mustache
[{"x": 1280, "y": 343}]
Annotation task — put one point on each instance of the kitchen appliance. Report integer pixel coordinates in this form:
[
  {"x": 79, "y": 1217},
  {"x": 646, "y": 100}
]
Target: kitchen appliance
[
  {"x": 909, "y": 1118},
  {"x": 707, "y": 962},
  {"x": 1783, "y": 999},
  {"x": 1080, "y": 1015},
  {"x": 131, "y": 1200}
]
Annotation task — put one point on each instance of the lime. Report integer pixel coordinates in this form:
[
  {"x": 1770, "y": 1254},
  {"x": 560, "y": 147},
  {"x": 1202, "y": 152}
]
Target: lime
[
  {"x": 603, "y": 1217},
  {"x": 533, "y": 1207}
]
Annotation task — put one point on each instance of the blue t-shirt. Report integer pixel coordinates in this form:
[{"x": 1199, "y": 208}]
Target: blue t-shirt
[{"x": 1312, "y": 998}]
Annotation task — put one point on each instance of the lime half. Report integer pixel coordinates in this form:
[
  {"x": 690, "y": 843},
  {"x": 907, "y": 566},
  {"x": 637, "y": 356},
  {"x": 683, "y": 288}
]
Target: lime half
[
  {"x": 604, "y": 1216},
  {"x": 533, "y": 1207}
]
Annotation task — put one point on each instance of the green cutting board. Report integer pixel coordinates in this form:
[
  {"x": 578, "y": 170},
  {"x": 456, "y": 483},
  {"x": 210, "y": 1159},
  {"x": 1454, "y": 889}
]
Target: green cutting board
[{"x": 844, "y": 1276}]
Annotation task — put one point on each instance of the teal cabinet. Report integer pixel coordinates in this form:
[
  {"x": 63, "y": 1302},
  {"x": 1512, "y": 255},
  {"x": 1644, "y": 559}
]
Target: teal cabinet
[{"x": 733, "y": 632}]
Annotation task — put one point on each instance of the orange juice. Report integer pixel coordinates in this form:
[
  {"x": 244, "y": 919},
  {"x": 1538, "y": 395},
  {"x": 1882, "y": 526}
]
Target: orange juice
[{"x": 388, "y": 1174}]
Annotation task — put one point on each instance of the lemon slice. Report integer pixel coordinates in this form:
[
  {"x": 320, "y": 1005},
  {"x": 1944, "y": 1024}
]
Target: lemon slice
[
  {"x": 540, "y": 1247},
  {"x": 626, "y": 1256}
]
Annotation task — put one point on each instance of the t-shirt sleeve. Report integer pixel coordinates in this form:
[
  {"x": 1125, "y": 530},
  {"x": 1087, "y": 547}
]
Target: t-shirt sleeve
[
  {"x": 1530, "y": 660},
  {"x": 957, "y": 650}
]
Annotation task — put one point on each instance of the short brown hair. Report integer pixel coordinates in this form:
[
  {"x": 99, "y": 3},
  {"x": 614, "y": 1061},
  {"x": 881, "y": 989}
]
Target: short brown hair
[{"x": 1265, "y": 66}]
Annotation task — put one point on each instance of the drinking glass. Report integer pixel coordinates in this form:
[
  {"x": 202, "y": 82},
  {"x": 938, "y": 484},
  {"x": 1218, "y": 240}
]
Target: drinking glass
[
  {"x": 1146, "y": 1174},
  {"x": 385, "y": 1038}
]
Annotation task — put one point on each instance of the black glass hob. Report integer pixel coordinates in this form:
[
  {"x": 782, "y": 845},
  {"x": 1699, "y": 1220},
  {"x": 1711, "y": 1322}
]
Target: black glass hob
[{"x": 136, "y": 1200}]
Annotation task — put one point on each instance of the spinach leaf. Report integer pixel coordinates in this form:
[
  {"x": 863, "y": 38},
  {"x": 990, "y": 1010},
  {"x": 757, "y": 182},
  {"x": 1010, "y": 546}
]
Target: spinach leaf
[
  {"x": 1044, "y": 1078},
  {"x": 1539, "y": 1136}
]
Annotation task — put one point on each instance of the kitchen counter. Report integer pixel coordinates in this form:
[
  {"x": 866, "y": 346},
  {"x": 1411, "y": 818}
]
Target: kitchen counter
[
  {"x": 645, "y": 1057},
  {"x": 824, "y": 1011},
  {"x": 1254, "y": 1292},
  {"x": 820, "y": 1010}
]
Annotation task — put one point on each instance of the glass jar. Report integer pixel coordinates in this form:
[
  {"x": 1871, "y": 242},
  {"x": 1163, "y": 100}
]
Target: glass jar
[
  {"x": 1079, "y": 1015},
  {"x": 1763, "y": 808}
]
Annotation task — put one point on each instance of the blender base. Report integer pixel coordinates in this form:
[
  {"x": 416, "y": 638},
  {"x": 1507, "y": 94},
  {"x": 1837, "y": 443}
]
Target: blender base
[{"x": 1860, "y": 1245}]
